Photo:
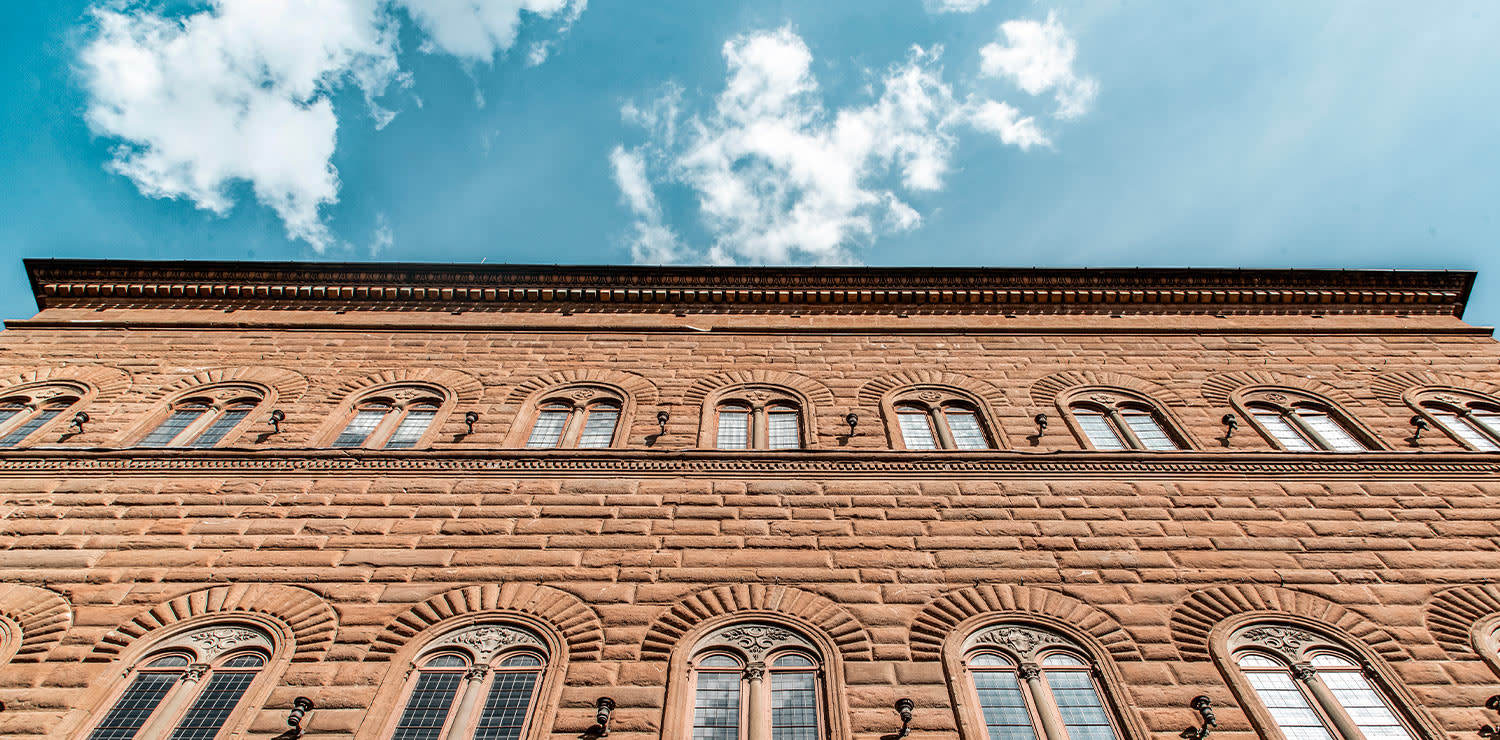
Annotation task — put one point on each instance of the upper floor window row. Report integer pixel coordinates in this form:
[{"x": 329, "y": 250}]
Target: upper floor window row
[{"x": 752, "y": 417}]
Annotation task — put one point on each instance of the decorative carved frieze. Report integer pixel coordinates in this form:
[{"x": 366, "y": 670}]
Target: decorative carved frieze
[
  {"x": 755, "y": 640},
  {"x": 212, "y": 643},
  {"x": 1024, "y": 641},
  {"x": 485, "y": 641},
  {"x": 1288, "y": 641}
]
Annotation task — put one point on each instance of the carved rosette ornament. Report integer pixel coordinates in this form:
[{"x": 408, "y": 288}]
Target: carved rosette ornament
[
  {"x": 584, "y": 393},
  {"x": 1025, "y": 642},
  {"x": 1103, "y": 398},
  {"x": 485, "y": 641},
  {"x": 1288, "y": 641},
  {"x": 212, "y": 643},
  {"x": 930, "y": 396},
  {"x": 755, "y": 641}
]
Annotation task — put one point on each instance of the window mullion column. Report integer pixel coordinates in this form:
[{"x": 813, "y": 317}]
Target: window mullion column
[
  {"x": 572, "y": 428},
  {"x": 462, "y": 724},
  {"x": 1052, "y": 724},
  {"x": 1325, "y": 698},
  {"x": 758, "y": 708},
  {"x": 940, "y": 428},
  {"x": 1298, "y": 423},
  {"x": 759, "y": 437},
  {"x": 1126, "y": 433},
  {"x": 167, "y": 713}
]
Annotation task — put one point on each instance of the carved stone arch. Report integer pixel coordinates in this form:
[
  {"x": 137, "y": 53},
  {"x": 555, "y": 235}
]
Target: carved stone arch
[
  {"x": 286, "y": 385},
  {"x": 849, "y": 636},
  {"x": 944, "y": 614},
  {"x": 814, "y": 392},
  {"x": 1218, "y": 389},
  {"x": 639, "y": 389},
  {"x": 1197, "y": 615},
  {"x": 41, "y": 616},
  {"x": 875, "y": 391},
  {"x": 1394, "y": 387},
  {"x": 463, "y": 388},
  {"x": 574, "y": 620},
  {"x": 105, "y": 382},
  {"x": 1046, "y": 391},
  {"x": 309, "y": 619},
  {"x": 1452, "y": 614}
]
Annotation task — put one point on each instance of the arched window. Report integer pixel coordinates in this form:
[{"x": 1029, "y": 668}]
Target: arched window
[
  {"x": 188, "y": 687},
  {"x": 1030, "y": 683},
  {"x": 391, "y": 418},
  {"x": 1112, "y": 421},
  {"x": 475, "y": 683},
  {"x": 205, "y": 418},
  {"x": 1298, "y": 423},
  {"x": 758, "y": 418},
  {"x": 1311, "y": 688},
  {"x": 25, "y": 412},
  {"x": 757, "y": 681},
  {"x": 933, "y": 419},
  {"x": 583, "y": 418},
  {"x": 1470, "y": 419}
]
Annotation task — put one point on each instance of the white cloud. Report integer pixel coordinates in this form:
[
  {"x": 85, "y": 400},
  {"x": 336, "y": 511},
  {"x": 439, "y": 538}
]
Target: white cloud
[
  {"x": 779, "y": 177},
  {"x": 955, "y": 6},
  {"x": 241, "y": 92},
  {"x": 1039, "y": 57},
  {"x": 383, "y": 238}
]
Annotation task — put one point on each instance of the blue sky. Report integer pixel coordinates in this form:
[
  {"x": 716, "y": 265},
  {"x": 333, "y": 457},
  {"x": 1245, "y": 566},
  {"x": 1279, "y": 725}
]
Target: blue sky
[{"x": 884, "y": 132}]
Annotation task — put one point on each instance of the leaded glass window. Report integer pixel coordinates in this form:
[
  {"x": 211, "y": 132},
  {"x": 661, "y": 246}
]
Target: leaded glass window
[
  {"x": 1032, "y": 683},
  {"x": 475, "y": 683},
  {"x": 734, "y": 428},
  {"x": 359, "y": 428},
  {"x": 747, "y": 665},
  {"x": 916, "y": 428},
  {"x": 1299, "y": 423}
]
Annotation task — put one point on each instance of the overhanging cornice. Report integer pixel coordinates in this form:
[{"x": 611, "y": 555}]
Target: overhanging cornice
[{"x": 429, "y": 287}]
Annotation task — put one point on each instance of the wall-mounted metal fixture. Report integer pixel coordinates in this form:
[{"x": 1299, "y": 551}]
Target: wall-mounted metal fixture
[
  {"x": 1231, "y": 423},
  {"x": 470, "y": 419},
  {"x": 277, "y": 416},
  {"x": 1041, "y": 423},
  {"x": 603, "y": 710},
  {"x": 1421, "y": 426},
  {"x": 1489, "y": 731},
  {"x": 300, "y": 707},
  {"x": 904, "y": 708},
  {"x": 79, "y": 419},
  {"x": 1206, "y": 711},
  {"x": 852, "y": 419},
  {"x": 662, "y": 418}
]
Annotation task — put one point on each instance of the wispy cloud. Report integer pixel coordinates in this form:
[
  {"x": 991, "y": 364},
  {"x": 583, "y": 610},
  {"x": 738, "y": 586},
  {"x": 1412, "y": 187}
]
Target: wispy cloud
[
  {"x": 383, "y": 238},
  {"x": 1038, "y": 57},
  {"x": 780, "y": 177},
  {"x": 955, "y": 6},
  {"x": 242, "y": 91}
]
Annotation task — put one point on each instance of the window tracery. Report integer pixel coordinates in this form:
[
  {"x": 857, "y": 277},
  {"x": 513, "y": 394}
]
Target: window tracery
[
  {"x": 758, "y": 417},
  {"x": 25, "y": 412},
  {"x": 1031, "y": 683},
  {"x": 478, "y": 682},
  {"x": 187, "y": 687},
  {"x": 757, "y": 681},
  {"x": 392, "y": 418},
  {"x": 582, "y": 417},
  {"x": 1109, "y": 420},
  {"x": 1298, "y": 422},
  {"x": 938, "y": 418},
  {"x": 1312, "y": 688}
]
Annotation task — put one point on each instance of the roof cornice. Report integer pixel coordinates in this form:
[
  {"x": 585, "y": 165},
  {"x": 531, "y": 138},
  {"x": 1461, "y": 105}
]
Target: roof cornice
[{"x": 344, "y": 286}]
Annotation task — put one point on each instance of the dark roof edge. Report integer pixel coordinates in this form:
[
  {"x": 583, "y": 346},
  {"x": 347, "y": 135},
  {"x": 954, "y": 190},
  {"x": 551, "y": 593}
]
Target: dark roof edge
[{"x": 1384, "y": 291}]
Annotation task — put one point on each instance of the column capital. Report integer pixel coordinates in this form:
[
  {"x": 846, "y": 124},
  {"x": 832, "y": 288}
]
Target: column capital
[
  {"x": 1303, "y": 672},
  {"x": 755, "y": 671},
  {"x": 1030, "y": 671},
  {"x": 476, "y": 672}
]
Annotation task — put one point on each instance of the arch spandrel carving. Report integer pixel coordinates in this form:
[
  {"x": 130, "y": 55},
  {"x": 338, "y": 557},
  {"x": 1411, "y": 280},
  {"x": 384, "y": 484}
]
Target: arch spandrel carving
[
  {"x": 309, "y": 620},
  {"x": 40, "y": 618},
  {"x": 944, "y": 614},
  {"x": 1198, "y": 614},
  {"x": 637, "y": 388},
  {"x": 575, "y": 621},
  {"x": 849, "y": 636},
  {"x": 873, "y": 393}
]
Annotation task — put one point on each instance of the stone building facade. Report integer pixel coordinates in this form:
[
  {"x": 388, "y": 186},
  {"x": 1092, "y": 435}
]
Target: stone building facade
[{"x": 454, "y": 502}]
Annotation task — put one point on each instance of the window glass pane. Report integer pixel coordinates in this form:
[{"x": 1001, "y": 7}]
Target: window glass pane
[
  {"x": 1100, "y": 432},
  {"x": 988, "y": 659},
  {"x": 7, "y": 410},
  {"x": 781, "y": 426},
  {"x": 213, "y": 705},
  {"x": 794, "y": 661},
  {"x": 1490, "y": 420},
  {"x": 716, "y": 706},
  {"x": 505, "y": 709},
  {"x": 548, "y": 428},
  {"x": 1338, "y": 439},
  {"x": 1004, "y": 708},
  {"x": 427, "y": 707},
  {"x": 794, "y": 706},
  {"x": 1148, "y": 430},
  {"x": 1078, "y": 703},
  {"x": 221, "y": 427},
  {"x": 135, "y": 705},
  {"x": 245, "y": 661},
  {"x": 734, "y": 429},
  {"x": 1252, "y": 660},
  {"x": 171, "y": 661},
  {"x": 524, "y": 660},
  {"x": 1061, "y": 659},
  {"x": 447, "y": 661},
  {"x": 361, "y": 426},
  {"x": 167, "y": 431},
  {"x": 1282, "y": 430},
  {"x": 411, "y": 429},
  {"x": 1329, "y": 660},
  {"x": 719, "y": 661},
  {"x": 34, "y": 423},
  {"x": 1287, "y": 705},
  {"x": 599, "y": 428},
  {"x": 964, "y": 426},
  {"x": 916, "y": 430},
  {"x": 1462, "y": 429},
  {"x": 1365, "y": 706}
]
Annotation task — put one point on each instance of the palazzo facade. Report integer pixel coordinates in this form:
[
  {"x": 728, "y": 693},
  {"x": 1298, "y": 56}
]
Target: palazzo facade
[{"x": 423, "y": 502}]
